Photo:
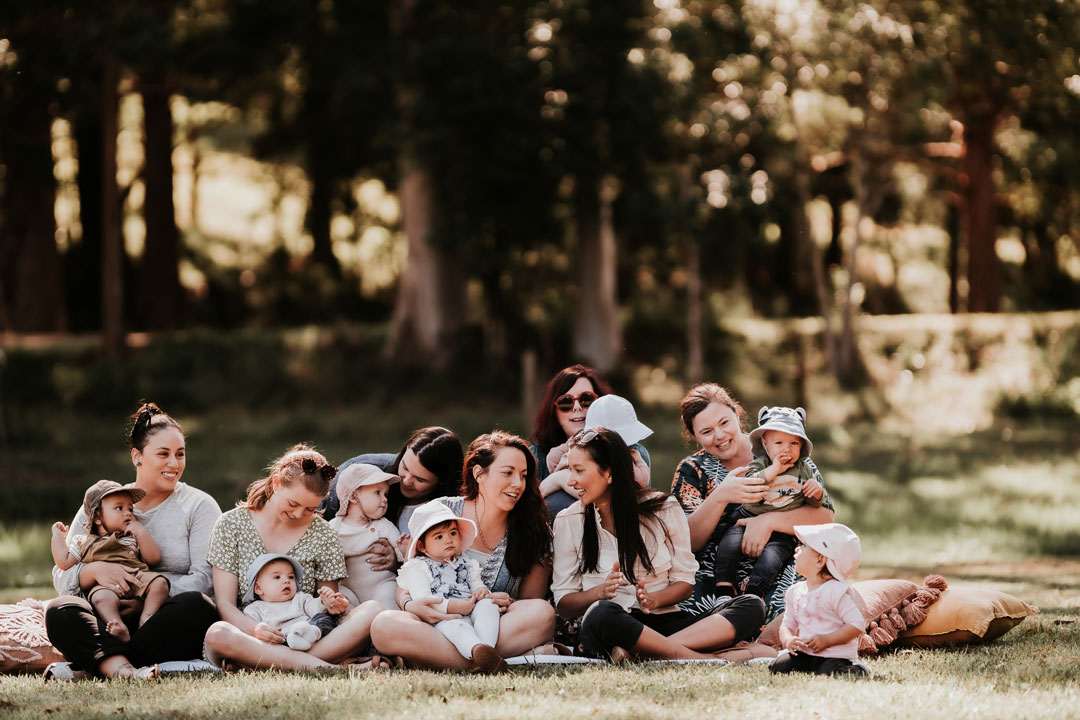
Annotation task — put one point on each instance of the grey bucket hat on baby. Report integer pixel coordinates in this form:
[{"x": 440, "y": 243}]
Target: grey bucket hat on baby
[
  {"x": 785, "y": 419},
  {"x": 262, "y": 561}
]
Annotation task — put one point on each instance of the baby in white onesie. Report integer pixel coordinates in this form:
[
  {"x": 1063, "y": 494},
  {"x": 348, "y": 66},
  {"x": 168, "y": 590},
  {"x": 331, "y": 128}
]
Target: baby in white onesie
[{"x": 359, "y": 523}]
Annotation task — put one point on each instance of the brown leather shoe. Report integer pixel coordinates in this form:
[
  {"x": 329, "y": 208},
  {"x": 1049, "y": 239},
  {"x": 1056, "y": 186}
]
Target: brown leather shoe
[{"x": 487, "y": 661}]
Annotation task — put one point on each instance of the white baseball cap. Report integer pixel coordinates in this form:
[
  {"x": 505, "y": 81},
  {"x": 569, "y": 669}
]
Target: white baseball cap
[
  {"x": 617, "y": 413},
  {"x": 838, "y": 543},
  {"x": 434, "y": 513}
]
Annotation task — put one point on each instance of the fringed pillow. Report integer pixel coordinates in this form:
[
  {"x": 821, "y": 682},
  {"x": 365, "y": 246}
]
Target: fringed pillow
[
  {"x": 24, "y": 645},
  {"x": 966, "y": 615},
  {"x": 888, "y": 606}
]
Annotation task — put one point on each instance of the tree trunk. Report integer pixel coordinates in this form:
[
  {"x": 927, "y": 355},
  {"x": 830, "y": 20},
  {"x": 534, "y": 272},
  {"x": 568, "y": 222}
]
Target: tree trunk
[
  {"x": 112, "y": 241},
  {"x": 430, "y": 306},
  {"x": 596, "y": 320},
  {"x": 84, "y": 258},
  {"x": 984, "y": 267},
  {"x": 695, "y": 345},
  {"x": 33, "y": 269},
  {"x": 160, "y": 295},
  {"x": 952, "y": 227}
]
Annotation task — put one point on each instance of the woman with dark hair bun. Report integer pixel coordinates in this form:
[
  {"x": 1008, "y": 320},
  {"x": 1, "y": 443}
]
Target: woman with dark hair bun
[
  {"x": 179, "y": 517},
  {"x": 512, "y": 544},
  {"x": 429, "y": 465},
  {"x": 622, "y": 562}
]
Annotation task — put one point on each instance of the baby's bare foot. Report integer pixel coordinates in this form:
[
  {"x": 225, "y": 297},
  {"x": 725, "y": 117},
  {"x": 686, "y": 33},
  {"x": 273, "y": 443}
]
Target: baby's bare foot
[{"x": 118, "y": 629}]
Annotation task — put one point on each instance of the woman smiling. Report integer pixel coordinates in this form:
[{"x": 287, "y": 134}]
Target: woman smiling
[
  {"x": 279, "y": 516},
  {"x": 500, "y": 494}
]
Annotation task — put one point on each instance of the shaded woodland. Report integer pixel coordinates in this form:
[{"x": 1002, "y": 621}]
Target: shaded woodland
[{"x": 577, "y": 178}]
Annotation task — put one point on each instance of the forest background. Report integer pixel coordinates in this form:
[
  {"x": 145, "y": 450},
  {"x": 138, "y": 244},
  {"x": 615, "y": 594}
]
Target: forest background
[{"x": 337, "y": 221}]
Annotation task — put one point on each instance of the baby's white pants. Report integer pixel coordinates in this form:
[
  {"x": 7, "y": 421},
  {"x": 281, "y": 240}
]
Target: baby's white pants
[{"x": 481, "y": 626}]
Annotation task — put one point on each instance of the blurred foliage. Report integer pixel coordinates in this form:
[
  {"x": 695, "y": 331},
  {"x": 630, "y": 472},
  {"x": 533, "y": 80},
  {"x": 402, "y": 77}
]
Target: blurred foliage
[{"x": 770, "y": 135}]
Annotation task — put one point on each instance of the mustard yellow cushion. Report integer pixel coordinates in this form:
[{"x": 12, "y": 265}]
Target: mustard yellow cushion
[{"x": 965, "y": 615}]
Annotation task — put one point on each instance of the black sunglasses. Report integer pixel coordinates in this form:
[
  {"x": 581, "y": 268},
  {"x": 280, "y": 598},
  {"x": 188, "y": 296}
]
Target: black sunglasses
[{"x": 566, "y": 402}]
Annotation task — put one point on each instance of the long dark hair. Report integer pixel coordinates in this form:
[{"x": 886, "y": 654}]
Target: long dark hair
[
  {"x": 547, "y": 433},
  {"x": 528, "y": 537},
  {"x": 439, "y": 451},
  {"x": 630, "y": 505},
  {"x": 146, "y": 421}
]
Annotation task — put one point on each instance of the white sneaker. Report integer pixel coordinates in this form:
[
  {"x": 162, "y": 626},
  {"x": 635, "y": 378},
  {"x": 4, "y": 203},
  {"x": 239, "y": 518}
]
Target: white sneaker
[{"x": 63, "y": 671}]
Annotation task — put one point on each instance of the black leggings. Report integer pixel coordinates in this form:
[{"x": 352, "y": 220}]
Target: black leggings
[
  {"x": 607, "y": 625},
  {"x": 786, "y": 662},
  {"x": 174, "y": 632}
]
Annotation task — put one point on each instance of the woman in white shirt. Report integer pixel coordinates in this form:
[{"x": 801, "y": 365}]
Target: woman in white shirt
[{"x": 622, "y": 560}]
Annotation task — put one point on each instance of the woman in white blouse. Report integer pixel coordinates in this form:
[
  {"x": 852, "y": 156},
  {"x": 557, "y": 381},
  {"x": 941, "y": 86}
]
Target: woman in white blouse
[{"x": 622, "y": 560}]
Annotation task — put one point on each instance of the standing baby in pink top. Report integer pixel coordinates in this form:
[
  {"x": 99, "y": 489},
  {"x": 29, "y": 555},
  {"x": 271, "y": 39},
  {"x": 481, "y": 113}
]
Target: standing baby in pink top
[{"x": 822, "y": 624}]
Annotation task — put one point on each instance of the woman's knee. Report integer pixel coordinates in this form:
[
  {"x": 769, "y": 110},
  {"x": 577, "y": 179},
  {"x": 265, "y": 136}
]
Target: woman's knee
[{"x": 220, "y": 635}]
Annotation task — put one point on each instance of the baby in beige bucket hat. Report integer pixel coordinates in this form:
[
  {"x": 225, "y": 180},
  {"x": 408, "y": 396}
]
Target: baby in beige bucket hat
[{"x": 114, "y": 535}]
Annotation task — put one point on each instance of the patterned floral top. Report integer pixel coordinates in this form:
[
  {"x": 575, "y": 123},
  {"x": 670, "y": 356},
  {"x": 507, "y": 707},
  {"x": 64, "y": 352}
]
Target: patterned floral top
[
  {"x": 696, "y": 477},
  {"x": 234, "y": 545},
  {"x": 493, "y": 570}
]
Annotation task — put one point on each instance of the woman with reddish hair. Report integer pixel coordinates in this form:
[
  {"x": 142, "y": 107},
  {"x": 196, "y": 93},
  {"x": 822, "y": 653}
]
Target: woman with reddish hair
[{"x": 562, "y": 411}]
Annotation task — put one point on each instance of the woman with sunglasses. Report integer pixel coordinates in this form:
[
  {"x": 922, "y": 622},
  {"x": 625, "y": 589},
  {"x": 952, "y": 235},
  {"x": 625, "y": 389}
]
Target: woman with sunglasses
[
  {"x": 563, "y": 407},
  {"x": 279, "y": 516},
  {"x": 622, "y": 562}
]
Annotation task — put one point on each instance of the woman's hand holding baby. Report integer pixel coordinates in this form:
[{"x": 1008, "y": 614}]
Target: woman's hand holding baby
[
  {"x": 380, "y": 555},
  {"x": 501, "y": 600},
  {"x": 424, "y": 609},
  {"x": 268, "y": 634}
]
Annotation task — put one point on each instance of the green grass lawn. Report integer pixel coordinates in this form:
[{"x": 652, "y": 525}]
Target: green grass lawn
[{"x": 997, "y": 509}]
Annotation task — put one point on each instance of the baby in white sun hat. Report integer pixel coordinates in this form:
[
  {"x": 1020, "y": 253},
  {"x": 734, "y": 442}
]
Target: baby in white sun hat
[
  {"x": 437, "y": 566},
  {"x": 822, "y": 624}
]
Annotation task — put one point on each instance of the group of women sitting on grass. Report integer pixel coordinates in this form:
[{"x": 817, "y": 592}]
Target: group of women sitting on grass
[{"x": 628, "y": 568}]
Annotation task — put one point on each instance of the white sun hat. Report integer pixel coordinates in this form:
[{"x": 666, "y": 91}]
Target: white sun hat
[
  {"x": 355, "y": 476},
  {"x": 617, "y": 413},
  {"x": 838, "y": 543},
  {"x": 433, "y": 513}
]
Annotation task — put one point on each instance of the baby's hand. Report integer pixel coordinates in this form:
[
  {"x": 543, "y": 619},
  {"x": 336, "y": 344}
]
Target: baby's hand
[
  {"x": 60, "y": 530},
  {"x": 334, "y": 602},
  {"x": 467, "y": 605},
  {"x": 136, "y": 529},
  {"x": 480, "y": 593},
  {"x": 813, "y": 489},
  {"x": 794, "y": 645},
  {"x": 645, "y": 598},
  {"x": 817, "y": 643},
  {"x": 403, "y": 544}
]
